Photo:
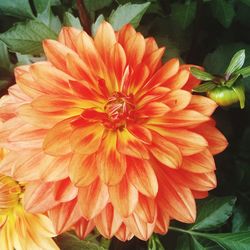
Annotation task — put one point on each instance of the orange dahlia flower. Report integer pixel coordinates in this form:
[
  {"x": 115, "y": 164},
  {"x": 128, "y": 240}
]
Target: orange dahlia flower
[
  {"x": 113, "y": 138},
  {"x": 18, "y": 228}
]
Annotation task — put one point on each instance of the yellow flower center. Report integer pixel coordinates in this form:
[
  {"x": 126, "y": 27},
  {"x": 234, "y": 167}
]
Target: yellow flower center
[
  {"x": 10, "y": 192},
  {"x": 119, "y": 109}
]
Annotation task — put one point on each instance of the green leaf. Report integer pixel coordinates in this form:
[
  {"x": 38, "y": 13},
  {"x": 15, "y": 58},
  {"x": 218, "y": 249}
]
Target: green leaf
[
  {"x": 245, "y": 72},
  {"x": 208, "y": 244},
  {"x": 232, "y": 241},
  {"x": 154, "y": 243},
  {"x": 204, "y": 87},
  {"x": 41, "y": 5},
  {"x": 69, "y": 241},
  {"x": 183, "y": 242},
  {"x": 228, "y": 241},
  {"x": 188, "y": 242},
  {"x": 236, "y": 62},
  {"x": 16, "y": 8},
  {"x": 71, "y": 21},
  {"x": 26, "y": 38},
  {"x": 96, "y": 4},
  {"x": 201, "y": 75},
  {"x": 232, "y": 80},
  {"x": 241, "y": 219},
  {"x": 223, "y": 11},
  {"x": 128, "y": 13},
  {"x": 247, "y": 2},
  {"x": 213, "y": 212},
  {"x": 240, "y": 92},
  {"x": 49, "y": 19},
  {"x": 4, "y": 57},
  {"x": 195, "y": 245},
  {"x": 97, "y": 23},
  {"x": 184, "y": 14}
]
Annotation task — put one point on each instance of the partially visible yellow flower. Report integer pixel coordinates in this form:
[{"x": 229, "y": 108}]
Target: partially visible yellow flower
[{"x": 19, "y": 229}]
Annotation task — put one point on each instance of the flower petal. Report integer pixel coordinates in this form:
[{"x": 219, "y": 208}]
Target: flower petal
[
  {"x": 43, "y": 119},
  {"x": 92, "y": 199},
  {"x": 216, "y": 140},
  {"x": 196, "y": 181},
  {"x": 200, "y": 194},
  {"x": 83, "y": 169},
  {"x": 179, "y": 80},
  {"x": 36, "y": 165},
  {"x": 178, "y": 99},
  {"x": 47, "y": 103},
  {"x": 78, "y": 69},
  {"x": 125, "y": 33},
  {"x": 188, "y": 142},
  {"x": 192, "y": 80},
  {"x": 151, "y": 46},
  {"x": 183, "y": 118},
  {"x": 50, "y": 79},
  {"x": 26, "y": 132},
  {"x": 165, "y": 152},
  {"x": 134, "y": 48},
  {"x": 64, "y": 190},
  {"x": 108, "y": 221},
  {"x": 142, "y": 176},
  {"x": 177, "y": 200},
  {"x": 83, "y": 227},
  {"x": 57, "y": 140},
  {"x": 104, "y": 39},
  {"x": 26, "y": 82},
  {"x": 152, "y": 109},
  {"x": 162, "y": 222},
  {"x": 39, "y": 197},
  {"x": 87, "y": 139},
  {"x": 129, "y": 145},
  {"x": 85, "y": 91},
  {"x": 111, "y": 164},
  {"x": 138, "y": 227},
  {"x": 168, "y": 70},
  {"x": 123, "y": 234},
  {"x": 140, "y": 132},
  {"x": 137, "y": 79},
  {"x": 153, "y": 60},
  {"x": 203, "y": 105},
  {"x": 56, "y": 53},
  {"x": 146, "y": 209},
  {"x": 68, "y": 36},
  {"x": 88, "y": 52},
  {"x": 117, "y": 63},
  {"x": 202, "y": 162},
  {"x": 124, "y": 197},
  {"x": 64, "y": 215}
]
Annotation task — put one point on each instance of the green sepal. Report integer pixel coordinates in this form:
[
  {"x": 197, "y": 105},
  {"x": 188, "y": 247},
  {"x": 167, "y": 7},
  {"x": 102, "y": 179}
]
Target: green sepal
[
  {"x": 244, "y": 72},
  {"x": 204, "y": 87},
  {"x": 201, "y": 75},
  {"x": 240, "y": 92},
  {"x": 236, "y": 62},
  {"x": 232, "y": 80}
]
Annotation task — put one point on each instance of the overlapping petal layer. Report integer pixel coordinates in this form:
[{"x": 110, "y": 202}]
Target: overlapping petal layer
[{"x": 123, "y": 132}]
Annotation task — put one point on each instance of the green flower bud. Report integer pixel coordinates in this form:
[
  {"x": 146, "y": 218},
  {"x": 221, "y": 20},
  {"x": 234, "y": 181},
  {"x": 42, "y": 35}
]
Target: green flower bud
[{"x": 225, "y": 96}]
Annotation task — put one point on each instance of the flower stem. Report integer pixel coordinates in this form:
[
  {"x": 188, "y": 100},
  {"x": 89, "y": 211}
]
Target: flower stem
[
  {"x": 187, "y": 231},
  {"x": 84, "y": 16}
]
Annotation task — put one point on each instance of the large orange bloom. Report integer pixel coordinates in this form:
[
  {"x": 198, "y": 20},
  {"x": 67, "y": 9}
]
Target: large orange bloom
[{"x": 113, "y": 138}]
